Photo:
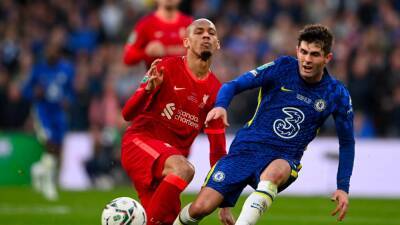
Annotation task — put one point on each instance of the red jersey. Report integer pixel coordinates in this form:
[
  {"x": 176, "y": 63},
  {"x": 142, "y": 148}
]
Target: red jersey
[
  {"x": 151, "y": 28},
  {"x": 176, "y": 110}
]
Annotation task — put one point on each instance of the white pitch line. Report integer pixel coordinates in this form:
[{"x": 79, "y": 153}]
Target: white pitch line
[{"x": 34, "y": 209}]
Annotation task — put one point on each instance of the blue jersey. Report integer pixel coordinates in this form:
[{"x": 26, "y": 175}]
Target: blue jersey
[
  {"x": 55, "y": 81},
  {"x": 56, "y": 84},
  {"x": 290, "y": 112}
]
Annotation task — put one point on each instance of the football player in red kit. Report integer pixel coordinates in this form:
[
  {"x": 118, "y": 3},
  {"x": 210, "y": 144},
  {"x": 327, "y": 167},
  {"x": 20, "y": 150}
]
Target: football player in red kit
[
  {"x": 168, "y": 111},
  {"x": 158, "y": 34}
]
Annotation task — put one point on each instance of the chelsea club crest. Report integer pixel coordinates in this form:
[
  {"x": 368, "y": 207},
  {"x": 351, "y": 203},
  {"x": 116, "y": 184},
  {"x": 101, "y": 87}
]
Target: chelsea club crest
[
  {"x": 320, "y": 105},
  {"x": 219, "y": 176}
]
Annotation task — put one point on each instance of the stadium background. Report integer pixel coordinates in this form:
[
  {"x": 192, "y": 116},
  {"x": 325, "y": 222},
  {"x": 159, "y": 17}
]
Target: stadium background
[{"x": 92, "y": 34}]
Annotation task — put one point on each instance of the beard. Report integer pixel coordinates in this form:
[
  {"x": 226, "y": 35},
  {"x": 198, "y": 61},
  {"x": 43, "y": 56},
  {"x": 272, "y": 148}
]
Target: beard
[
  {"x": 205, "y": 55},
  {"x": 171, "y": 7}
]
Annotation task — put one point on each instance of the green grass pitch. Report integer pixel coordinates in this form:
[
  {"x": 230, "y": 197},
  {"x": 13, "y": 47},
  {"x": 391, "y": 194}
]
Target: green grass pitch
[{"x": 22, "y": 206}]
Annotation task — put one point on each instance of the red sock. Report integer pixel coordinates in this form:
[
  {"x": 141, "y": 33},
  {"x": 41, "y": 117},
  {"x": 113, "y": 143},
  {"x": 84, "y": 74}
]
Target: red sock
[{"x": 165, "y": 204}]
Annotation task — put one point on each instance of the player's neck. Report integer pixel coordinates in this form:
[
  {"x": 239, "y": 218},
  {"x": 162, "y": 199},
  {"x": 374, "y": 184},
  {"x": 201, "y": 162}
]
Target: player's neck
[
  {"x": 313, "y": 79},
  {"x": 198, "y": 67},
  {"x": 167, "y": 15}
]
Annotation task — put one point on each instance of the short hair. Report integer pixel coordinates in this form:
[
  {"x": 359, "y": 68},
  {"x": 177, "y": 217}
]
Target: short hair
[{"x": 319, "y": 34}]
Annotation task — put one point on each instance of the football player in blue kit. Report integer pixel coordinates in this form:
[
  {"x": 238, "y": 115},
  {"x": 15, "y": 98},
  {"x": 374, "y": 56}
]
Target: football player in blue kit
[
  {"x": 49, "y": 87},
  {"x": 295, "y": 97}
]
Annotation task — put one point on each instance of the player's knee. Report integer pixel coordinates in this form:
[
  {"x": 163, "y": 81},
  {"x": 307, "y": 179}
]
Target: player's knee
[
  {"x": 200, "y": 209},
  {"x": 185, "y": 170},
  {"x": 277, "y": 177}
]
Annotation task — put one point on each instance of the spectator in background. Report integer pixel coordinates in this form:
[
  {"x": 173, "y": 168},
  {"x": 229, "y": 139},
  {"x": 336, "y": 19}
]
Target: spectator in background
[
  {"x": 158, "y": 34},
  {"x": 104, "y": 128},
  {"x": 111, "y": 16},
  {"x": 15, "y": 108}
]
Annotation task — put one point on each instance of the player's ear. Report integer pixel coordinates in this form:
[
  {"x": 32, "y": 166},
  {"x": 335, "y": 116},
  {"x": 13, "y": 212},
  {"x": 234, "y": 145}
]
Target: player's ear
[
  {"x": 218, "y": 45},
  {"x": 186, "y": 42},
  {"x": 328, "y": 57}
]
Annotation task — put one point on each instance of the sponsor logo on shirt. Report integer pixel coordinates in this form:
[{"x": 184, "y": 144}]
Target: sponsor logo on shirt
[
  {"x": 303, "y": 98},
  {"x": 289, "y": 126},
  {"x": 168, "y": 111},
  {"x": 182, "y": 116}
]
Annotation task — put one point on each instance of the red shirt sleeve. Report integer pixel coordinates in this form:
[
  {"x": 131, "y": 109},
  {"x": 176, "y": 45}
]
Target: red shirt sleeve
[
  {"x": 216, "y": 136},
  {"x": 135, "y": 46},
  {"x": 138, "y": 102}
]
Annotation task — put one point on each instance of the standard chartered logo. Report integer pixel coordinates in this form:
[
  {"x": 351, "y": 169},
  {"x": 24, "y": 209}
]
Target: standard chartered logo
[
  {"x": 182, "y": 116},
  {"x": 168, "y": 110}
]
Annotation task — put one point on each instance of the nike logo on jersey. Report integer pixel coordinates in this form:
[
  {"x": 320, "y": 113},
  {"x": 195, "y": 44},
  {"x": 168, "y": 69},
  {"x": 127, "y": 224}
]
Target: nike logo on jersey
[
  {"x": 178, "y": 88},
  {"x": 285, "y": 89}
]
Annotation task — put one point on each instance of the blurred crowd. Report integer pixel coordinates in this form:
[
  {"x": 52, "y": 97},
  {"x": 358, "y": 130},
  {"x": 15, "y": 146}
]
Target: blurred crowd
[{"x": 92, "y": 34}]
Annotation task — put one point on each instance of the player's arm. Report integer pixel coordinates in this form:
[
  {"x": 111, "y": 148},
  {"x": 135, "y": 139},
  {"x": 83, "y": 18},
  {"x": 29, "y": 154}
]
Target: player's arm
[
  {"x": 258, "y": 77},
  {"x": 29, "y": 89},
  {"x": 216, "y": 136},
  {"x": 134, "y": 50},
  {"x": 150, "y": 85},
  {"x": 261, "y": 76},
  {"x": 343, "y": 116}
]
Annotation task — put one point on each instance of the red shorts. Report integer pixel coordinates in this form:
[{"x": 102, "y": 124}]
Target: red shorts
[{"x": 143, "y": 160}]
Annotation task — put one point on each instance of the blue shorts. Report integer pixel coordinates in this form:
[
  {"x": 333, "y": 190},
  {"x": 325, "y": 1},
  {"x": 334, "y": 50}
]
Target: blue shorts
[
  {"x": 50, "y": 126},
  {"x": 241, "y": 168}
]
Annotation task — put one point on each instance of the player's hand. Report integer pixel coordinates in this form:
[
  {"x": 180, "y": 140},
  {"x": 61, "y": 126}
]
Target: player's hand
[
  {"x": 216, "y": 113},
  {"x": 226, "y": 217},
  {"x": 155, "y": 76},
  {"x": 155, "y": 49},
  {"x": 342, "y": 202}
]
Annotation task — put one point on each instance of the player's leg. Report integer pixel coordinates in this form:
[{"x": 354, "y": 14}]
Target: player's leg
[
  {"x": 137, "y": 159},
  {"x": 174, "y": 172},
  {"x": 274, "y": 175},
  {"x": 50, "y": 163},
  {"x": 223, "y": 186},
  {"x": 37, "y": 170},
  {"x": 160, "y": 172},
  {"x": 50, "y": 130},
  {"x": 206, "y": 202}
]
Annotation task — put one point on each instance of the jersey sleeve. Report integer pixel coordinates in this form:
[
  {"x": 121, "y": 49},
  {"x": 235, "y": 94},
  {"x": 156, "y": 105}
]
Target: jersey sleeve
[
  {"x": 135, "y": 46},
  {"x": 261, "y": 76},
  {"x": 343, "y": 116},
  {"x": 216, "y": 136}
]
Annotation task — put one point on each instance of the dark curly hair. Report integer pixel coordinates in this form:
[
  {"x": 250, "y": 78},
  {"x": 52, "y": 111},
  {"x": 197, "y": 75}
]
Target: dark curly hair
[{"x": 319, "y": 34}]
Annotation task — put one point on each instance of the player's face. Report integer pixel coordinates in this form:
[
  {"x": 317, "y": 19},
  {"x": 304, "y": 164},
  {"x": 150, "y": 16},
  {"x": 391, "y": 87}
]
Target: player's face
[
  {"x": 312, "y": 60},
  {"x": 168, "y": 4},
  {"x": 202, "y": 38}
]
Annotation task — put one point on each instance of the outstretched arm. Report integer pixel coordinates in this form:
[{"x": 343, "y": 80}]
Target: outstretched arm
[
  {"x": 344, "y": 127},
  {"x": 262, "y": 75}
]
